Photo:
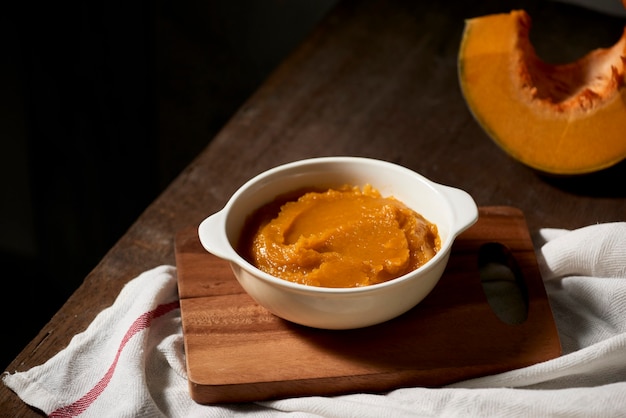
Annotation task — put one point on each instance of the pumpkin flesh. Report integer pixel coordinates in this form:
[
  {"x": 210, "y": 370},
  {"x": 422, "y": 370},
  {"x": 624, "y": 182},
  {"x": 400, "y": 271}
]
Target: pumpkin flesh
[{"x": 560, "y": 119}]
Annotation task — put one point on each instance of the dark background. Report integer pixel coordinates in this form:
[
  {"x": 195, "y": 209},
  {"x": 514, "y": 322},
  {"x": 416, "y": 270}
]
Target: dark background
[{"x": 102, "y": 105}]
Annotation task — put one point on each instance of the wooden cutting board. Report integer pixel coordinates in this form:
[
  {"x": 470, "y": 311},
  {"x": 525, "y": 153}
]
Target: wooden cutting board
[{"x": 236, "y": 351}]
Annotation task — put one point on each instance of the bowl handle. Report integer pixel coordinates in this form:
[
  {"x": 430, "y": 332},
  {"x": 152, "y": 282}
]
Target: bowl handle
[
  {"x": 463, "y": 206},
  {"x": 212, "y": 234}
]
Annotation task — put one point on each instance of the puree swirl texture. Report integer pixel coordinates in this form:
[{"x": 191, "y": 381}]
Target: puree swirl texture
[{"x": 343, "y": 237}]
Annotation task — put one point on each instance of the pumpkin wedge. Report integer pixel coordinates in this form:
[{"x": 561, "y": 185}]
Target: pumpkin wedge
[{"x": 560, "y": 119}]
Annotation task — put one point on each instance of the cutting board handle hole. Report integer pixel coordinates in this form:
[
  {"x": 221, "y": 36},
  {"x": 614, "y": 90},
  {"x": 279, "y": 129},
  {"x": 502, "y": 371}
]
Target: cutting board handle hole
[{"x": 502, "y": 283}]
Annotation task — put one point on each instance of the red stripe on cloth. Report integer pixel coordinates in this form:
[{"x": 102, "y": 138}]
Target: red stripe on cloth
[{"x": 141, "y": 323}]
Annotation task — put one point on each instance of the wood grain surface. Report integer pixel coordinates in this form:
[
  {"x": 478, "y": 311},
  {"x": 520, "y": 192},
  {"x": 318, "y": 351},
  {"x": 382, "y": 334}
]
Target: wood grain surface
[
  {"x": 376, "y": 78},
  {"x": 237, "y": 351}
]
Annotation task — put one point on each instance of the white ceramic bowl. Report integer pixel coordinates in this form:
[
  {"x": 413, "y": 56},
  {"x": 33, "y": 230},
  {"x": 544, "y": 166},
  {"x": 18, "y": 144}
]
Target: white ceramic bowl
[{"x": 451, "y": 209}]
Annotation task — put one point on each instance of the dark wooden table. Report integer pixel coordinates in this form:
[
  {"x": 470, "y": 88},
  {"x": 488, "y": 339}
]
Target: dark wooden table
[{"x": 375, "y": 79}]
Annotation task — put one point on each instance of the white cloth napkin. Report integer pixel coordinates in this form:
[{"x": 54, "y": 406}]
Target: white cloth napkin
[{"x": 130, "y": 362}]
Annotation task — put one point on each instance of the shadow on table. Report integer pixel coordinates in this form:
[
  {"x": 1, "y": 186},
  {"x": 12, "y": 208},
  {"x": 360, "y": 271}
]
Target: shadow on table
[{"x": 607, "y": 183}]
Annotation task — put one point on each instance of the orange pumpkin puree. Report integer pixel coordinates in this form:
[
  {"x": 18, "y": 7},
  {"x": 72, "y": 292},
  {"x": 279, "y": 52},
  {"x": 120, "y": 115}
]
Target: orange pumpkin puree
[{"x": 344, "y": 237}]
